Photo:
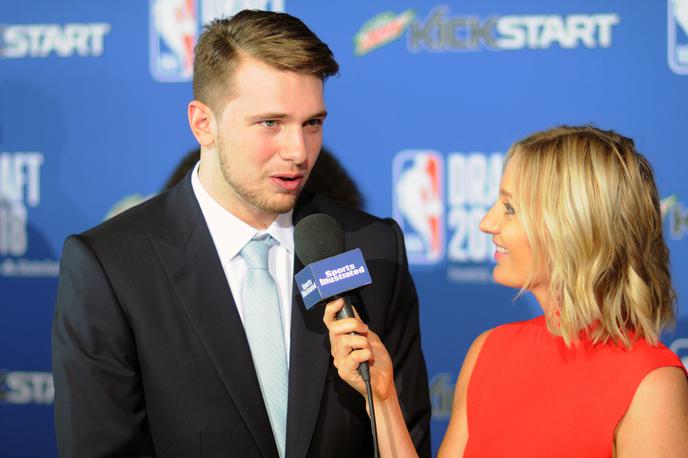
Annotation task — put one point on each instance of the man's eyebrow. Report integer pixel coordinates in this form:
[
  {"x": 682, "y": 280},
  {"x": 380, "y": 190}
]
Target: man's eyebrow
[
  {"x": 275, "y": 115},
  {"x": 322, "y": 114},
  {"x": 263, "y": 116}
]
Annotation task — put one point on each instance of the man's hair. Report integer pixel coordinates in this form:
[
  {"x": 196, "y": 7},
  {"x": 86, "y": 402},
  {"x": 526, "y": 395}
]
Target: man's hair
[
  {"x": 590, "y": 207},
  {"x": 277, "y": 39}
]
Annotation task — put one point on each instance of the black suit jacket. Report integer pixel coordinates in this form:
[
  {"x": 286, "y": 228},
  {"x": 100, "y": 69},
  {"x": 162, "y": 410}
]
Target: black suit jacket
[{"x": 150, "y": 357}]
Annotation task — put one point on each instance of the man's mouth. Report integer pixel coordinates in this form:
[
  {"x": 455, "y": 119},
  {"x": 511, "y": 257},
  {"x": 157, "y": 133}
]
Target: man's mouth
[{"x": 288, "y": 181}]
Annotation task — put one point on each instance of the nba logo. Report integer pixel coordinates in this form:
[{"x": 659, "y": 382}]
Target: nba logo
[
  {"x": 418, "y": 203},
  {"x": 677, "y": 35},
  {"x": 173, "y": 34}
]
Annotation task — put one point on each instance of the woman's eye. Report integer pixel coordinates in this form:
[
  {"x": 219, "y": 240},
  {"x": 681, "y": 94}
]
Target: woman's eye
[{"x": 508, "y": 209}]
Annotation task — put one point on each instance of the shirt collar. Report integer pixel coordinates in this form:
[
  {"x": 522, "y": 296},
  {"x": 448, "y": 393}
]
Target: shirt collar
[{"x": 229, "y": 233}]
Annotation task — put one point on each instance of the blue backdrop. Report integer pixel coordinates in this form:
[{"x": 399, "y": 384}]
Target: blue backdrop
[{"x": 93, "y": 102}]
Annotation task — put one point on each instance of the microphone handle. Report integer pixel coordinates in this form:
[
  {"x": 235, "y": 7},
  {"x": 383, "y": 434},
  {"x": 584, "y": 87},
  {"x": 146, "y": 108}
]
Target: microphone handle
[{"x": 348, "y": 312}]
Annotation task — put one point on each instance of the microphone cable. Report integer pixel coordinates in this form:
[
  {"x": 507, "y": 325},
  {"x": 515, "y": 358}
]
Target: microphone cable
[
  {"x": 364, "y": 370},
  {"x": 365, "y": 374}
]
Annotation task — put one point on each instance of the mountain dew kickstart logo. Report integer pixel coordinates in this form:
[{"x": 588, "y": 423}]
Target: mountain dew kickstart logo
[
  {"x": 442, "y": 31},
  {"x": 380, "y": 30}
]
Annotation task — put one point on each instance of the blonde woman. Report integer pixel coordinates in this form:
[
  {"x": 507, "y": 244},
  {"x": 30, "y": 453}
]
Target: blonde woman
[{"x": 578, "y": 225}]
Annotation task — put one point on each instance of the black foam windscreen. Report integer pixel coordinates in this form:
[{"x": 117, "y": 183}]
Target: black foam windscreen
[{"x": 317, "y": 237}]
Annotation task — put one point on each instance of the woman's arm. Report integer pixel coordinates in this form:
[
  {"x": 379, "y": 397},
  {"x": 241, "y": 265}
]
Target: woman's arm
[
  {"x": 348, "y": 352},
  {"x": 456, "y": 437}
]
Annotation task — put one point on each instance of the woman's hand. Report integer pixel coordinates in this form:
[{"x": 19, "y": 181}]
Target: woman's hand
[{"x": 348, "y": 351}]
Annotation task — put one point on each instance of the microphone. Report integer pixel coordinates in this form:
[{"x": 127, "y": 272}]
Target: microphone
[{"x": 330, "y": 272}]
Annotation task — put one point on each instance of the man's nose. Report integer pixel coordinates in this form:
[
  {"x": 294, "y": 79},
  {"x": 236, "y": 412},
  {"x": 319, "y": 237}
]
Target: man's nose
[{"x": 294, "y": 147}]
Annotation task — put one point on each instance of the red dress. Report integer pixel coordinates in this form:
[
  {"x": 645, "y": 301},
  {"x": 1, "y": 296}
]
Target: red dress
[{"x": 531, "y": 396}]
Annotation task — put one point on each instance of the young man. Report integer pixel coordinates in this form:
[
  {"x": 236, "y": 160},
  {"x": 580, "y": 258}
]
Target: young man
[{"x": 177, "y": 329}]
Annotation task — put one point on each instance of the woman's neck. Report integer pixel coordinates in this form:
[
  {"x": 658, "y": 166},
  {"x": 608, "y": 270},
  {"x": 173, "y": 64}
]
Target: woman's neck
[{"x": 549, "y": 306}]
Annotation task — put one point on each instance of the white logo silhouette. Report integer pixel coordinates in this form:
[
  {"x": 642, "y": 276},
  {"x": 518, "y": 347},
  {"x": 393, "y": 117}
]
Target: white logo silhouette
[
  {"x": 176, "y": 23},
  {"x": 418, "y": 200}
]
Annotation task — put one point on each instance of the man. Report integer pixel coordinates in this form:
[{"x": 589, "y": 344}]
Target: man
[{"x": 170, "y": 336}]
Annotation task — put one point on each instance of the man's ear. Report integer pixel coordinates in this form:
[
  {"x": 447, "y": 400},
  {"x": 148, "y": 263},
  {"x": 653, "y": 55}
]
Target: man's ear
[{"x": 202, "y": 123}]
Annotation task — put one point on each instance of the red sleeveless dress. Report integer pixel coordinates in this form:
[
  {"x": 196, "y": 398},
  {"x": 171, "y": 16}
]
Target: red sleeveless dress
[{"x": 531, "y": 396}]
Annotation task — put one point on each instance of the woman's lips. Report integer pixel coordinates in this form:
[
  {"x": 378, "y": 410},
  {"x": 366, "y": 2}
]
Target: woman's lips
[{"x": 500, "y": 252}]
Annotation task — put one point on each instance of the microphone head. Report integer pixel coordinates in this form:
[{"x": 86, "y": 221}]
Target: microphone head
[{"x": 317, "y": 237}]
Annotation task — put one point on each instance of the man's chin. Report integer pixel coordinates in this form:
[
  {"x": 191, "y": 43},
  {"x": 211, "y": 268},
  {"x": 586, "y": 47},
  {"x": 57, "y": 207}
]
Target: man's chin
[{"x": 282, "y": 204}]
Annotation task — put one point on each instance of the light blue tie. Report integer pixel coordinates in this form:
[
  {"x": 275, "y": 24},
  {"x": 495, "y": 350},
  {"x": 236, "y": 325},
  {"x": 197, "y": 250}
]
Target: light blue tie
[{"x": 263, "y": 325}]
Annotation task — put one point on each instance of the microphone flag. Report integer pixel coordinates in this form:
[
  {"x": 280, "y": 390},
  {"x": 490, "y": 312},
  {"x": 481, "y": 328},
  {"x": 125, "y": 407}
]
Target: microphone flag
[{"x": 332, "y": 276}]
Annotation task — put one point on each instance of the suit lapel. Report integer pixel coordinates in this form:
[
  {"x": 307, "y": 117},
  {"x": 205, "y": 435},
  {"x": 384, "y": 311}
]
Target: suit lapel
[
  {"x": 309, "y": 360},
  {"x": 188, "y": 255}
]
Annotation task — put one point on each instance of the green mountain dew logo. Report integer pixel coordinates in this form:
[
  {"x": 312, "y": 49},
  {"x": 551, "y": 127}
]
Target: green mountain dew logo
[
  {"x": 380, "y": 30},
  {"x": 678, "y": 216}
]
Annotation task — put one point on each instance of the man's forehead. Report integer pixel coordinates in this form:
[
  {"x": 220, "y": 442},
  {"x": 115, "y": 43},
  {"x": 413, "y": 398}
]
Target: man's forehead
[{"x": 278, "y": 93}]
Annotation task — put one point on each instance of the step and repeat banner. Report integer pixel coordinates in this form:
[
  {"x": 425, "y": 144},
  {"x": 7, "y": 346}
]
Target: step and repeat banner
[{"x": 93, "y": 99}]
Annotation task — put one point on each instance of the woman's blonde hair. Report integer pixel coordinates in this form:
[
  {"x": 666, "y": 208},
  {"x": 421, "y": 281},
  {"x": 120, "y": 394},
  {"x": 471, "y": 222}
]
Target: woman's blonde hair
[{"x": 590, "y": 207}]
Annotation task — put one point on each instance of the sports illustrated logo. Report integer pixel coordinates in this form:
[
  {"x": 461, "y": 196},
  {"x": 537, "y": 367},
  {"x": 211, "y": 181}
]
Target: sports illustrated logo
[
  {"x": 677, "y": 35},
  {"x": 380, "y": 30},
  {"x": 20, "y": 189},
  {"x": 331, "y": 276},
  {"x": 418, "y": 202},
  {"x": 20, "y": 387},
  {"x": 44, "y": 40},
  {"x": 307, "y": 287},
  {"x": 680, "y": 347},
  {"x": 335, "y": 275},
  {"x": 440, "y": 32},
  {"x": 174, "y": 29}
]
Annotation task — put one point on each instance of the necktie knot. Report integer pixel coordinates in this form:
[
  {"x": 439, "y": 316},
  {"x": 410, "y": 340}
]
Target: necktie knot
[{"x": 255, "y": 252}]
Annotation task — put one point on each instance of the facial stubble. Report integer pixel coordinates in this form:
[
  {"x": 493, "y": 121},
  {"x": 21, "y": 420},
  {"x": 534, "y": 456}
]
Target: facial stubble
[{"x": 253, "y": 196}]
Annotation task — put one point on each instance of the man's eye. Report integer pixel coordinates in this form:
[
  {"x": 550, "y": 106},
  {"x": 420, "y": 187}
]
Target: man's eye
[
  {"x": 508, "y": 209},
  {"x": 314, "y": 122},
  {"x": 270, "y": 123}
]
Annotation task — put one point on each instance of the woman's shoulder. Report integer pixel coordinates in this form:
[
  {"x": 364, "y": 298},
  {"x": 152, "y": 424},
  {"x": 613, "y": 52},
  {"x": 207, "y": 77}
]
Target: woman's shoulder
[
  {"x": 653, "y": 351},
  {"x": 641, "y": 357},
  {"x": 657, "y": 418}
]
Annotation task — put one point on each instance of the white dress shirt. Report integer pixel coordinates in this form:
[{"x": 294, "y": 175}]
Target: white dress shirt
[{"x": 230, "y": 234}]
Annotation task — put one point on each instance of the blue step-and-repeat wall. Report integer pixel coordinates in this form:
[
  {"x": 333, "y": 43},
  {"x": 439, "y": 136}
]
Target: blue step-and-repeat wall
[{"x": 93, "y": 99}]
